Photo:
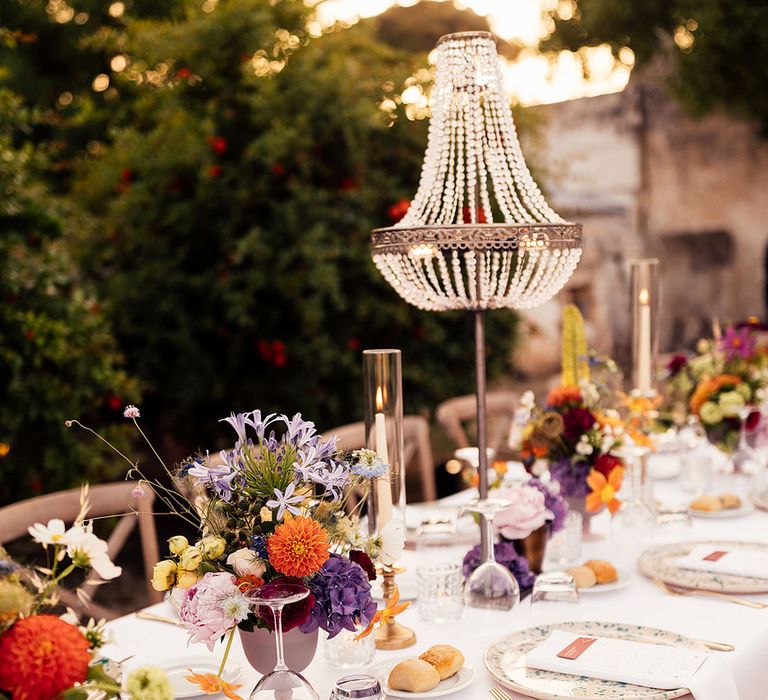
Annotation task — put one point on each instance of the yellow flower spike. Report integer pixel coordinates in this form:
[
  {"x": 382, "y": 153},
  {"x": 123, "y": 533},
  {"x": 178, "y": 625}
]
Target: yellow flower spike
[{"x": 211, "y": 684}]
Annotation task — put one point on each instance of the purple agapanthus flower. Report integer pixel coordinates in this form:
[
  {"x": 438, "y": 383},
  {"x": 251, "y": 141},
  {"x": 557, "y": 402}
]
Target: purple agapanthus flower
[
  {"x": 300, "y": 431},
  {"x": 342, "y": 598},
  {"x": 220, "y": 478},
  {"x": 737, "y": 343},
  {"x": 572, "y": 477},
  {"x": 508, "y": 557},
  {"x": 258, "y": 423},
  {"x": 553, "y": 502},
  {"x": 285, "y": 501}
]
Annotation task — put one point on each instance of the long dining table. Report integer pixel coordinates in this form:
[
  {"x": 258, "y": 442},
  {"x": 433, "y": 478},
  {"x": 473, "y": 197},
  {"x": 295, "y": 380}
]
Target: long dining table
[{"x": 641, "y": 603}]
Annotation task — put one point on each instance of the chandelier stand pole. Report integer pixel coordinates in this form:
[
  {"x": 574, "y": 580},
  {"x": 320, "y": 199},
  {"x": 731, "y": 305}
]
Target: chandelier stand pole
[{"x": 482, "y": 422}]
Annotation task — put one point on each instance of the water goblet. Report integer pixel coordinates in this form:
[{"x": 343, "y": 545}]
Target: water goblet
[
  {"x": 281, "y": 683},
  {"x": 490, "y": 585}
]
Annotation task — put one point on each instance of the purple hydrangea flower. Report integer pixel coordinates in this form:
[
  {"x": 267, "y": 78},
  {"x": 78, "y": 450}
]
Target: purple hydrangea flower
[
  {"x": 553, "y": 502},
  {"x": 572, "y": 477},
  {"x": 508, "y": 557},
  {"x": 342, "y": 598}
]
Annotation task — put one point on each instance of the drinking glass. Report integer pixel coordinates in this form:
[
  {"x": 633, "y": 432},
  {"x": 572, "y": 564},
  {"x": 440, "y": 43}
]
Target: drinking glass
[
  {"x": 357, "y": 686},
  {"x": 554, "y": 597},
  {"x": 490, "y": 585},
  {"x": 344, "y": 651},
  {"x": 281, "y": 683},
  {"x": 745, "y": 459},
  {"x": 564, "y": 547},
  {"x": 440, "y": 592}
]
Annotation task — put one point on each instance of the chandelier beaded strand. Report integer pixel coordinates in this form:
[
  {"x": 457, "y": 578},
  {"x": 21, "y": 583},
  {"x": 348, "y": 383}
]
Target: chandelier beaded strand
[{"x": 478, "y": 234}]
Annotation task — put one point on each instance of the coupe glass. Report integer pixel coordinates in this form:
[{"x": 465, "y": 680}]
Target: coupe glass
[
  {"x": 281, "y": 683},
  {"x": 490, "y": 585}
]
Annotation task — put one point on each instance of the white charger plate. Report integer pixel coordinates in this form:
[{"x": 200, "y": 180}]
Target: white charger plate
[
  {"x": 458, "y": 681},
  {"x": 623, "y": 580},
  {"x": 179, "y": 667},
  {"x": 505, "y": 661}
]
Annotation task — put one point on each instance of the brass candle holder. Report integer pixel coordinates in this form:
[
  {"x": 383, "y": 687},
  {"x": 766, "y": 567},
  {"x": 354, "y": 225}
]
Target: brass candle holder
[{"x": 392, "y": 635}]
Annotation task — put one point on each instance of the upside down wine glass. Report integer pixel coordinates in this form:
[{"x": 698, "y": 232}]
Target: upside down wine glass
[
  {"x": 281, "y": 683},
  {"x": 490, "y": 585}
]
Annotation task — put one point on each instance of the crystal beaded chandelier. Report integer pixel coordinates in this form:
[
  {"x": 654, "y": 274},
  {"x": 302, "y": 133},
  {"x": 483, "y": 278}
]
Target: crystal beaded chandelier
[{"x": 478, "y": 234}]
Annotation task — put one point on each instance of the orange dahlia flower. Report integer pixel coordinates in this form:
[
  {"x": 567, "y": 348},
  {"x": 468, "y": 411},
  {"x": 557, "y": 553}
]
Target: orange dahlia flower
[
  {"x": 42, "y": 655},
  {"x": 604, "y": 490},
  {"x": 299, "y": 547},
  {"x": 561, "y": 395}
]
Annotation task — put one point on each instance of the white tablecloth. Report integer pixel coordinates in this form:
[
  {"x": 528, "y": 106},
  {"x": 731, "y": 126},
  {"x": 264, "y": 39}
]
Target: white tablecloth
[{"x": 640, "y": 603}]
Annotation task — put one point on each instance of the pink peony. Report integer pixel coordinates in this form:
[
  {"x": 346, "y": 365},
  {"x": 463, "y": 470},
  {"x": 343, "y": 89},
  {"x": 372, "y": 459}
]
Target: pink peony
[
  {"x": 203, "y": 608},
  {"x": 527, "y": 513}
]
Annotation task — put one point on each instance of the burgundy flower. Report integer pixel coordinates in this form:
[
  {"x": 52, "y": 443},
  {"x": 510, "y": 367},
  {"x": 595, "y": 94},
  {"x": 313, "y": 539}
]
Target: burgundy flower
[
  {"x": 293, "y": 614},
  {"x": 364, "y": 562},
  {"x": 753, "y": 420},
  {"x": 605, "y": 464},
  {"x": 676, "y": 363},
  {"x": 576, "y": 422}
]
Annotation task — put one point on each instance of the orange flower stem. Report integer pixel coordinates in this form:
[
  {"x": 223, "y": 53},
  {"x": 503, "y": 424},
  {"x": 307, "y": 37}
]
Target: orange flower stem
[{"x": 226, "y": 652}]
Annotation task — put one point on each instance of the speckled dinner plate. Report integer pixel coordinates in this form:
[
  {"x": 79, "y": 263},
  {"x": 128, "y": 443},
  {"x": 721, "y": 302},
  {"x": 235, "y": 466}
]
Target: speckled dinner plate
[
  {"x": 659, "y": 562},
  {"x": 505, "y": 660},
  {"x": 759, "y": 498}
]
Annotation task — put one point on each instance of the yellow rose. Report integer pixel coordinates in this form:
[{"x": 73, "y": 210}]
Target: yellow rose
[
  {"x": 266, "y": 515},
  {"x": 178, "y": 544},
  {"x": 186, "y": 579},
  {"x": 190, "y": 559},
  {"x": 163, "y": 575},
  {"x": 212, "y": 547}
]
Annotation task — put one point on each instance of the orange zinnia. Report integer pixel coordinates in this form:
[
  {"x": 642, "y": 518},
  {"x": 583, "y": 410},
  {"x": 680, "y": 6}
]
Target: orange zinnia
[
  {"x": 604, "y": 490},
  {"x": 707, "y": 387},
  {"x": 211, "y": 684},
  {"x": 298, "y": 548}
]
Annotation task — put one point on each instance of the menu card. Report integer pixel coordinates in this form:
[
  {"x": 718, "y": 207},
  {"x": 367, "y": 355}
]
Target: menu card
[
  {"x": 724, "y": 560},
  {"x": 639, "y": 663}
]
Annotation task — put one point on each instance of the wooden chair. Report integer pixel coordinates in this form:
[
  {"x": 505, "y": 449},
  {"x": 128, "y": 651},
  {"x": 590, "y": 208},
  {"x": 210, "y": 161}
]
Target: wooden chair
[
  {"x": 501, "y": 405},
  {"x": 105, "y": 500},
  {"x": 416, "y": 446}
]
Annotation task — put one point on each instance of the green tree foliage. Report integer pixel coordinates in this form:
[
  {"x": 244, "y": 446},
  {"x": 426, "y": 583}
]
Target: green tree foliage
[
  {"x": 719, "y": 48},
  {"x": 58, "y": 359},
  {"x": 235, "y": 206}
]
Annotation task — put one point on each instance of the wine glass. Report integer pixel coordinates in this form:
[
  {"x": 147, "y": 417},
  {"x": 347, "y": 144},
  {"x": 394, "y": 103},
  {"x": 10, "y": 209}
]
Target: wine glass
[
  {"x": 745, "y": 459},
  {"x": 281, "y": 683},
  {"x": 490, "y": 585}
]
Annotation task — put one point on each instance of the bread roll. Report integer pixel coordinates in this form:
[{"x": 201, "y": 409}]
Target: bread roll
[
  {"x": 445, "y": 658},
  {"x": 729, "y": 501},
  {"x": 583, "y": 576},
  {"x": 413, "y": 676},
  {"x": 708, "y": 504},
  {"x": 604, "y": 570}
]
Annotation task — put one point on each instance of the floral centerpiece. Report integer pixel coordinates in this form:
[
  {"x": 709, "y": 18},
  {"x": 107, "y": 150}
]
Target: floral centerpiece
[
  {"x": 45, "y": 655},
  {"x": 728, "y": 374},
  {"x": 271, "y": 510},
  {"x": 573, "y": 433}
]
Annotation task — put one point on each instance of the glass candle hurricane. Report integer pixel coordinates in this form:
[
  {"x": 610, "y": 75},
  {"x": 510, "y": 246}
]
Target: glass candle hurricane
[{"x": 383, "y": 403}]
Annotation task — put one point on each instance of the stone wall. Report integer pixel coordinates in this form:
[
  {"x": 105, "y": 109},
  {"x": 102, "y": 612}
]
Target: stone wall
[{"x": 646, "y": 180}]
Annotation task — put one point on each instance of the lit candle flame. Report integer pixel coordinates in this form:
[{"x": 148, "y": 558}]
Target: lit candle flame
[
  {"x": 379, "y": 400},
  {"x": 643, "y": 296}
]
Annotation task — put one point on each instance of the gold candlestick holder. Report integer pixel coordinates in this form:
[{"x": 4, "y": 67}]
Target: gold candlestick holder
[{"x": 393, "y": 635}]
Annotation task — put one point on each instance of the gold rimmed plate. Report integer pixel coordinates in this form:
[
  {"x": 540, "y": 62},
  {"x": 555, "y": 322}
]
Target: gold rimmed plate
[
  {"x": 505, "y": 661},
  {"x": 661, "y": 562}
]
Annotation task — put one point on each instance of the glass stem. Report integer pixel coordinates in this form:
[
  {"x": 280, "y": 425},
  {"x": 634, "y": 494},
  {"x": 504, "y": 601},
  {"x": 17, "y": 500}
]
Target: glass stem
[
  {"x": 277, "y": 613},
  {"x": 743, "y": 433},
  {"x": 489, "y": 555}
]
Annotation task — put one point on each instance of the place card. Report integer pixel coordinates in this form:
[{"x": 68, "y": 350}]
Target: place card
[
  {"x": 650, "y": 665},
  {"x": 739, "y": 562}
]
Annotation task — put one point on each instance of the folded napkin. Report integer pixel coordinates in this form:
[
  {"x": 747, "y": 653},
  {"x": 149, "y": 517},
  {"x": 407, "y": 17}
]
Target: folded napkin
[
  {"x": 648, "y": 665},
  {"x": 741, "y": 562}
]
